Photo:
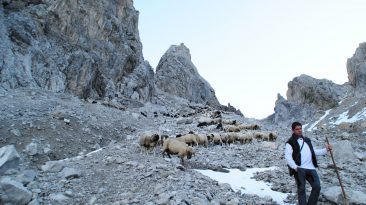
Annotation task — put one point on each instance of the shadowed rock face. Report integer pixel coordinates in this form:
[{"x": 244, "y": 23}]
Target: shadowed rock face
[
  {"x": 176, "y": 74},
  {"x": 89, "y": 48},
  {"x": 322, "y": 94},
  {"x": 356, "y": 69}
]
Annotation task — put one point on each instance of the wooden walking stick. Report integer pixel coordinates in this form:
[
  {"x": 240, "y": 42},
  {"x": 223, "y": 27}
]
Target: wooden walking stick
[{"x": 336, "y": 170}]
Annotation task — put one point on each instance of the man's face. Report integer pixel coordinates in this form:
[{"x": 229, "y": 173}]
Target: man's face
[{"x": 298, "y": 130}]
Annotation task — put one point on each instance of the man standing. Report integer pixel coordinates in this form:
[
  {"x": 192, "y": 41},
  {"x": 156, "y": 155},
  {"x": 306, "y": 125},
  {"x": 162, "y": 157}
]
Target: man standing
[{"x": 301, "y": 159}]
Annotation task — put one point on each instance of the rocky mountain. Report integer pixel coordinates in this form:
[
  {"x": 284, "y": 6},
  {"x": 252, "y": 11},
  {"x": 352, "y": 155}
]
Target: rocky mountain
[
  {"x": 176, "y": 74},
  {"x": 91, "y": 50},
  {"x": 76, "y": 94},
  {"x": 356, "y": 69}
]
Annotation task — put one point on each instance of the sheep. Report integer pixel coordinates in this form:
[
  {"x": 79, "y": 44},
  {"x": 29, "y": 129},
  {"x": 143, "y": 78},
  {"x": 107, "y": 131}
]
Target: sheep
[
  {"x": 202, "y": 139},
  {"x": 173, "y": 146},
  {"x": 216, "y": 139},
  {"x": 215, "y": 114},
  {"x": 245, "y": 137},
  {"x": 190, "y": 139},
  {"x": 162, "y": 138},
  {"x": 229, "y": 138},
  {"x": 148, "y": 140},
  {"x": 229, "y": 122},
  {"x": 249, "y": 127},
  {"x": 205, "y": 121},
  {"x": 231, "y": 128},
  {"x": 270, "y": 136}
]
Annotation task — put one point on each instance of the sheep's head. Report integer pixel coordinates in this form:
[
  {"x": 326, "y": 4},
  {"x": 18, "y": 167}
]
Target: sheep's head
[
  {"x": 272, "y": 136},
  {"x": 256, "y": 127},
  {"x": 210, "y": 137},
  {"x": 190, "y": 152},
  {"x": 155, "y": 137}
]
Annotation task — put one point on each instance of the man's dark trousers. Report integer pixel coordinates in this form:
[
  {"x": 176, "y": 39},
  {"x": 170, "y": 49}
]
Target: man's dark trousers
[{"x": 311, "y": 176}]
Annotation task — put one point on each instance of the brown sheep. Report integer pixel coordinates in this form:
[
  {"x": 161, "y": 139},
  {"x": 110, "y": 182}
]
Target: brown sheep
[
  {"x": 148, "y": 140},
  {"x": 173, "y": 146}
]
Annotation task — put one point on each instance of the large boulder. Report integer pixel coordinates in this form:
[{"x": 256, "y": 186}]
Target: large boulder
[
  {"x": 343, "y": 152},
  {"x": 9, "y": 158},
  {"x": 356, "y": 69},
  {"x": 89, "y": 48},
  {"x": 14, "y": 192},
  {"x": 176, "y": 75},
  {"x": 334, "y": 194},
  {"x": 322, "y": 94}
]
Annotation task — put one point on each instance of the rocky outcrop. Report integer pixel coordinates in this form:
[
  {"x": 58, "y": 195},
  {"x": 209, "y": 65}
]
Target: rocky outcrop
[
  {"x": 91, "y": 49},
  {"x": 176, "y": 75},
  {"x": 286, "y": 111},
  {"x": 9, "y": 158},
  {"x": 356, "y": 69},
  {"x": 322, "y": 94}
]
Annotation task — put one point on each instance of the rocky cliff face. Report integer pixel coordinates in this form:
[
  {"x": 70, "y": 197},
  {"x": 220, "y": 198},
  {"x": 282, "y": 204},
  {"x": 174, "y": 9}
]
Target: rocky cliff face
[
  {"x": 176, "y": 74},
  {"x": 286, "y": 111},
  {"x": 306, "y": 96},
  {"x": 91, "y": 49},
  {"x": 320, "y": 93},
  {"x": 356, "y": 68}
]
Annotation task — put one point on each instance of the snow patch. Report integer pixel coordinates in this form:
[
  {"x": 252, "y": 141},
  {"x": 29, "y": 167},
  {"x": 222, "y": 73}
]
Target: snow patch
[
  {"x": 243, "y": 181},
  {"x": 320, "y": 119},
  {"x": 344, "y": 117}
]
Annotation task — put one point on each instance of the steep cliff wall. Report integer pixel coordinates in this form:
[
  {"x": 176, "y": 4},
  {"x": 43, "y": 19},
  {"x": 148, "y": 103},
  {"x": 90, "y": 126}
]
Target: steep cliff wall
[{"x": 89, "y": 48}]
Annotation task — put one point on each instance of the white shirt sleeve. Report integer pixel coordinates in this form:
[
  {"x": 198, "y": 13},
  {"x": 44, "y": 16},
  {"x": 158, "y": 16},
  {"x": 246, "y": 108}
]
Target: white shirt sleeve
[
  {"x": 288, "y": 156},
  {"x": 320, "y": 152}
]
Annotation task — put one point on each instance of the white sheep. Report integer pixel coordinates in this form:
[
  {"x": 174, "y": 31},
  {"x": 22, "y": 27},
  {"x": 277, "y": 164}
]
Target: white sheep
[
  {"x": 173, "y": 146},
  {"x": 202, "y": 139},
  {"x": 249, "y": 127},
  {"x": 190, "y": 139}
]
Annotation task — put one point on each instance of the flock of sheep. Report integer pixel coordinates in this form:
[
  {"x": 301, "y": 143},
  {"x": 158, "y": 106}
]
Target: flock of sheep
[{"x": 182, "y": 145}]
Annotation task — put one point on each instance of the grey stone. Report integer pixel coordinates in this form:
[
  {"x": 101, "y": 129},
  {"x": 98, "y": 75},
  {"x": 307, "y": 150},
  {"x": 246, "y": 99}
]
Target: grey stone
[
  {"x": 9, "y": 158},
  {"x": 334, "y": 194},
  {"x": 53, "y": 166},
  {"x": 69, "y": 173},
  {"x": 164, "y": 199},
  {"x": 343, "y": 151},
  {"x": 14, "y": 192},
  {"x": 31, "y": 149},
  {"x": 34, "y": 202},
  {"x": 27, "y": 176},
  {"x": 58, "y": 197},
  {"x": 361, "y": 156},
  {"x": 16, "y": 132}
]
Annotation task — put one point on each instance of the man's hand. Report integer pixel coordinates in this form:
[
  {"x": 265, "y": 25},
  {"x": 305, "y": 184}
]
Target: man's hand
[{"x": 328, "y": 147}]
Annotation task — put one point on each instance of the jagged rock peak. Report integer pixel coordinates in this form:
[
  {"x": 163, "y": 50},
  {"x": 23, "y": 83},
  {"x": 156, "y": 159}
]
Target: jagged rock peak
[
  {"x": 177, "y": 75},
  {"x": 356, "y": 69},
  {"x": 320, "y": 93},
  {"x": 286, "y": 112},
  {"x": 89, "y": 48}
]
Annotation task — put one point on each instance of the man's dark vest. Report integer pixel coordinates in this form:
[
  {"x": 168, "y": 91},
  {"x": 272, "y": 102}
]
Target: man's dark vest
[{"x": 296, "y": 156}]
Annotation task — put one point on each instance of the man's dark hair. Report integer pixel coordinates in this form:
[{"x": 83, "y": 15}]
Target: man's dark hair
[{"x": 295, "y": 124}]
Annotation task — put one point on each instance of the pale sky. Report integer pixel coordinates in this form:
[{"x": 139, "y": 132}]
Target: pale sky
[{"x": 248, "y": 50}]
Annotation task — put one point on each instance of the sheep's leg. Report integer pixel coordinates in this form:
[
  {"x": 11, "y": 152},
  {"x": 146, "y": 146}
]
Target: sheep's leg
[{"x": 154, "y": 150}]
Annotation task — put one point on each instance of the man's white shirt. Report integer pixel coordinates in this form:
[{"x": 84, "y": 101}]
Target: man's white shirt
[{"x": 306, "y": 158}]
